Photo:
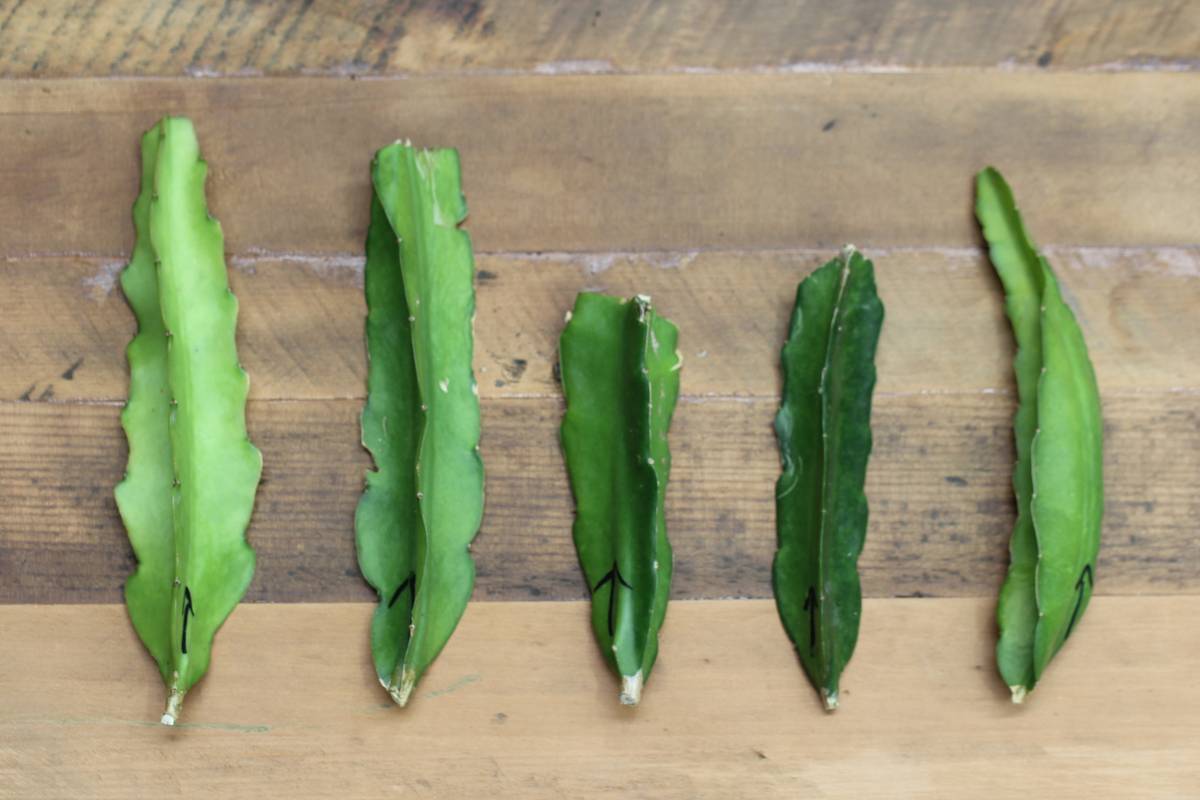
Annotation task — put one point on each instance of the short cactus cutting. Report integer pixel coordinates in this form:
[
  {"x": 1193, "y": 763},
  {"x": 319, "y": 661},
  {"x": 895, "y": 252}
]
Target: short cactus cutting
[
  {"x": 192, "y": 474},
  {"x": 824, "y": 432},
  {"x": 620, "y": 376},
  {"x": 423, "y": 503}
]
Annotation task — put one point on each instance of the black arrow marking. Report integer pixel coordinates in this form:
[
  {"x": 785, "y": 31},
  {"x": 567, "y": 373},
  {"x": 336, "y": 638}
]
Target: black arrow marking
[
  {"x": 810, "y": 605},
  {"x": 187, "y": 609},
  {"x": 615, "y": 572},
  {"x": 1079, "y": 590},
  {"x": 410, "y": 583}
]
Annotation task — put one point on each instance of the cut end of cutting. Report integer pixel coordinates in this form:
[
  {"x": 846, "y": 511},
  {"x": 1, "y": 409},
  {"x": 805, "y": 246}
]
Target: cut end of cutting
[
  {"x": 848, "y": 251},
  {"x": 1018, "y": 694},
  {"x": 174, "y": 708},
  {"x": 631, "y": 689},
  {"x": 401, "y": 693},
  {"x": 830, "y": 700}
]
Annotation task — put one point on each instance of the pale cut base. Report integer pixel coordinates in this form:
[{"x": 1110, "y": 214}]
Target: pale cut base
[
  {"x": 174, "y": 707},
  {"x": 401, "y": 693},
  {"x": 631, "y": 689}
]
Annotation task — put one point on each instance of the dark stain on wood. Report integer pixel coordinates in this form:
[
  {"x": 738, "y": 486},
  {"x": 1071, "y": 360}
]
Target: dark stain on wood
[
  {"x": 515, "y": 369},
  {"x": 69, "y": 373}
]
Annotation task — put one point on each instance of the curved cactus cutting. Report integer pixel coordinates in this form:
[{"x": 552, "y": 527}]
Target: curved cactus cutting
[
  {"x": 192, "y": 474},
  {"x": 824, "y": 432},
  {"x": 1058, "y": 479},
  {"x": 620, "y": 375},
  {"x": 423, "y": 503}
]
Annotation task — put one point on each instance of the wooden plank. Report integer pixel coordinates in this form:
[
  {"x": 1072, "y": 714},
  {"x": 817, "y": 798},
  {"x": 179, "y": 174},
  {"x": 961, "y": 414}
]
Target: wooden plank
[
  {"x": 521, "y": 705},
  {"x": 141, "y": 37},
  {"x": 938, "y": 484},
  {"x": 610, "y": 163},
  {"x": 300, "y": 323}
]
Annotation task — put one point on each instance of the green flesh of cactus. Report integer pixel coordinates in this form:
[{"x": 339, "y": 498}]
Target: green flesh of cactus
[
  {"x": 1058, "y": 478},
  {"x": 192, "y": 474},
  {"x": 620, "y": 376},
  {"x": 423, "y": 503},
  {"x": 824, "y": 433}
]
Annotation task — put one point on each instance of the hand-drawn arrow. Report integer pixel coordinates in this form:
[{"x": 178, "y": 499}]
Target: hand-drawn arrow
[
  {"x": 614, "y": 573},
  {"x": 410, "y": 583},
  {"x": 810, "y": 605},
  {"x": 187, "y": 609},
  {"x": 1080, "y": 588}
]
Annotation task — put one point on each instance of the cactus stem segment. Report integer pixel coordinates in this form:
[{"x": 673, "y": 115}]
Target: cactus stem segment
[
  {"x": 824, "y": 432},
  {"x": 617, "y": 361},
  {"x": 424, "y": 500}
]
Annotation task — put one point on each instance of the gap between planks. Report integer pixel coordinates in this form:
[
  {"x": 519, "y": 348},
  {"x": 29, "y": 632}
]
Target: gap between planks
[
  {"x": 520, "y": 704},
  {"x": 601, "y": 68},
  {"x": 600, "y": 260}
]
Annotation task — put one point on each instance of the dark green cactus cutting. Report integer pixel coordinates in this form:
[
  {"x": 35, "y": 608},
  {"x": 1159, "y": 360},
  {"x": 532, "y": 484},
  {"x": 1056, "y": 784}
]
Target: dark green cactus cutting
[
  {"x": 1058, "y": 479},
  {"x": 423, "y": 503},
  {"x": 824, "y": 432},
  {"x": 192, "y": 474},
  {"x": 620, "y": 376}
]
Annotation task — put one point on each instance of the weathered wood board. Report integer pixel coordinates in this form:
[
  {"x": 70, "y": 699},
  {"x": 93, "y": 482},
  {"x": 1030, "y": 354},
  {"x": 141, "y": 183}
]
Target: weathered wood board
[
  {"x": 938, "y": 483},
  {"x": 300, "y": 321},
  {"x": 610, "y": 163},
  {"x": 520, "y": 705},
  {"x": 372, "y": 37}
]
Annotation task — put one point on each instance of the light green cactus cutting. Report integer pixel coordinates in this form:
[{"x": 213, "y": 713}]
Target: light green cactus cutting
[
  {"x": 620, "y": 376},
  {"x": 423, "y": 503},
  {"x": 192, "y": 474},
  {"x": 824, "y": 433},
  {"x": 1058, "y": 479}
]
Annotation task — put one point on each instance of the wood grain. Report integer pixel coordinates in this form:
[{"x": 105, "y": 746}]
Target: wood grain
[
  {"x": 611, "y": 163},
  {"x": 373, "y": 37},
  {"x": 520, "y": 705},
  {"x": 300, "y": 321},
  {"x": 938, "y": 484}
]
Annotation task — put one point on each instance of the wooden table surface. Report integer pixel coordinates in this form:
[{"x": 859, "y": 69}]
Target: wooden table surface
[{"x": 707, "y": 153}]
